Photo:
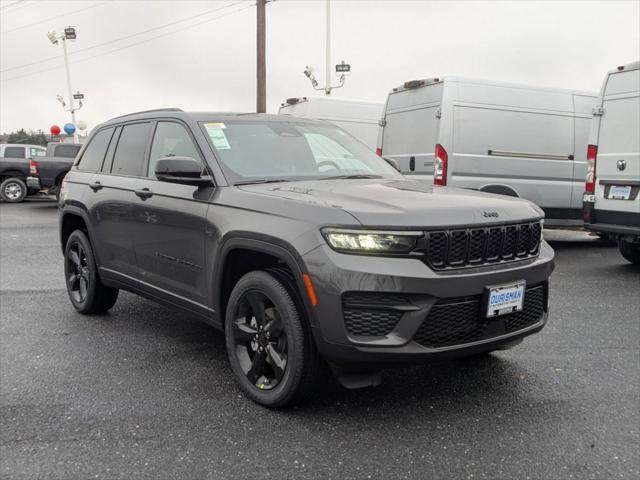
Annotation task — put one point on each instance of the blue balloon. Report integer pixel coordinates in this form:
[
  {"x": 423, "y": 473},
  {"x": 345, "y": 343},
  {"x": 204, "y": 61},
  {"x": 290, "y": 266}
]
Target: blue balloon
[{"x": 69, "y": 128}]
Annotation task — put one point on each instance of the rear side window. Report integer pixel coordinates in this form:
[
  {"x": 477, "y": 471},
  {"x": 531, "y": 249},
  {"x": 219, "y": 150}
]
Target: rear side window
[
  {"x": 129, "y": 156},
  {"x": 14, "y": 152},
  {"x": 66, "y": 151},
  {"x": 171, "y": 140},
  {"x": 93, "y": 155}
]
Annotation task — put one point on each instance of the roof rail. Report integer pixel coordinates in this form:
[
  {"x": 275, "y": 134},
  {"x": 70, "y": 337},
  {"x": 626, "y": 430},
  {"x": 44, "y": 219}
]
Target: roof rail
[{"x": 151, "y": 111}]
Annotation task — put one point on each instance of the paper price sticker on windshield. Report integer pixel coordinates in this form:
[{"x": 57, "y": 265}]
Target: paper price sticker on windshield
[{"x": 217, "y": 136}]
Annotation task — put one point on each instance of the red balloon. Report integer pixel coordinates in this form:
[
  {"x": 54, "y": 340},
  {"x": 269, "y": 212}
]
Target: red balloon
[{"x": 55, "y": 130}]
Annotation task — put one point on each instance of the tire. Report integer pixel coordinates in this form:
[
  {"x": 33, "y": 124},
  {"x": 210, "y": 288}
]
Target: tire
[
  {"x": 272, "y": 354},
  {"x": 630, "y": 251},
  {"x": 13, "y": 190},
  {"x": 86, "y": 291}
]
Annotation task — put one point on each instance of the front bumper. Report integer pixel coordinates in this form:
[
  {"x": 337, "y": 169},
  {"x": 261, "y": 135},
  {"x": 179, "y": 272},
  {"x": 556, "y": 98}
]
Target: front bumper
[
  {"x": 33, "y": 183},
  {"x": 416, "y": 292}
]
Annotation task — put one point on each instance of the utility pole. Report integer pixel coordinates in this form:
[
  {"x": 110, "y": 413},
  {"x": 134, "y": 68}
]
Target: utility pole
[
  {"x": 327, "y": 62},
  {"x": 261, "y": 70},
  {"x": 68, "y": 34}
]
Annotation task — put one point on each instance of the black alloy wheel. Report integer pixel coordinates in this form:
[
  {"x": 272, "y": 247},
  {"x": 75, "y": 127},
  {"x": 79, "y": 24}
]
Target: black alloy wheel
[
  {"x": 260, "y": 340},
  {"x": 269, "y": 342},
  {"x": 77, "y": 272},
  {"x": 84, "y": 286}
]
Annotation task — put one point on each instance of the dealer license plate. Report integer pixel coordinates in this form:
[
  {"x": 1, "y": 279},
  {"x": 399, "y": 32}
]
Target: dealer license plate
[
  {"x": 505, "y": 299},
  {"x": 619, "y": 193}
]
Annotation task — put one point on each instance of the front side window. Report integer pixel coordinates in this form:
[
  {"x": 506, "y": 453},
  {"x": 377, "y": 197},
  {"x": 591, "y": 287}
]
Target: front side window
[
  {"x": 129, "y": 156},
  {"x": 93, "y": 155},
  {"x": 14, "y": 152},
  {"x": 170, "y": 140},
  {"x": 37, "y": 152},
  {"x": 258, "y": 151}
]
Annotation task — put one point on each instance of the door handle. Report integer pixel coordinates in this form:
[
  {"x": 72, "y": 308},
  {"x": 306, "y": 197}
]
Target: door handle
[
  {"x": 144, "y": 193},
  {"x": 95, "y": 185}
]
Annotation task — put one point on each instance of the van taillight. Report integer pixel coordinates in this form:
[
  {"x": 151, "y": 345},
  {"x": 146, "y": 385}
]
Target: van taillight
[
  {"x": 440, "y": 166},
  {"x": 590, "y": 181},
  {"x": 379, "y": 152},
  {"x": 33, "y": 167}
]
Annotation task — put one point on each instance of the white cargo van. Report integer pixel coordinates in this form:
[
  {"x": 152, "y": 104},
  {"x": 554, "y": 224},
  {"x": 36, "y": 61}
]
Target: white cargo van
[
  {"x": 612, "y": 188},
  {"x": 360, "y": 119},
  {"x": 497, "y": 137}
]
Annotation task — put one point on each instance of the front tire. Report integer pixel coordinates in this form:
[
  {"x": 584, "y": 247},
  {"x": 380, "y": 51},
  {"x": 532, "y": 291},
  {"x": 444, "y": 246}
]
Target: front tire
[
  {"x": 269, "y": 344},
  {"x": 630, "y": 251},
  {"x": 13, "y": 190},
  {"x": 86, "y": 291}
]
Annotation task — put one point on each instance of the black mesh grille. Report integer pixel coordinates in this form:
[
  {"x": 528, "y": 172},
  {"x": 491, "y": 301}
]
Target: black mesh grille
[
  {"x": 437, "y": 245},
  {"x": 494, "y": 244},
  {"x": 510, "y": 238},
  {"x": 477, "y": 243},
  {"x": 371, "y": 323},
  {"x": 461, "y": 248},
  {"x": 460, "y": 321},
  {"x": 534, "y": 306},
  {"x": 371, "y": 314},
  {"x": 458, "y": 247}
]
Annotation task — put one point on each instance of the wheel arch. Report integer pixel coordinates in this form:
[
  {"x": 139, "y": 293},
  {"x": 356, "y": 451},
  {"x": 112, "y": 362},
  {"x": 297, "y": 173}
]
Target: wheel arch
[
  {"x": 262, "y": 247},
  {"x": 11, "y": 173},
  {"x": 73, "y": 218},
  {"x": 500, "y": 189}
]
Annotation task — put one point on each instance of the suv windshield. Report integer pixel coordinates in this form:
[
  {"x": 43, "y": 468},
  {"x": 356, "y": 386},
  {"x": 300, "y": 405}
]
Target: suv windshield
[{"x": 263, "y": 151}]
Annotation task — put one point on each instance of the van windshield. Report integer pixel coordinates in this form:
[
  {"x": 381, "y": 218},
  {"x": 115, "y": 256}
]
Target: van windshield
[{"x": 268, "y": 151}]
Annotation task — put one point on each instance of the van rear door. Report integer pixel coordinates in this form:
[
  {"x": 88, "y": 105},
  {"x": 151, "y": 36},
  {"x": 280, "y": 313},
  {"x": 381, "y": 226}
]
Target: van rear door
[
  {"x": 411, "y": 128},
  {"x": 618, "y": 160}
]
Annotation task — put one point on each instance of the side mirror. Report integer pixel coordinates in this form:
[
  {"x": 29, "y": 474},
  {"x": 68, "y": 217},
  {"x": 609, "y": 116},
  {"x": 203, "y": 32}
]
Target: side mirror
[
  {"x": 392, "y": 162},
  {"x": 184, "y": 170}
]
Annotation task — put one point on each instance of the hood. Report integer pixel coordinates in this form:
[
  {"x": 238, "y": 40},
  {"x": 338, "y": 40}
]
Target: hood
[{"x": 403, "y": 203}]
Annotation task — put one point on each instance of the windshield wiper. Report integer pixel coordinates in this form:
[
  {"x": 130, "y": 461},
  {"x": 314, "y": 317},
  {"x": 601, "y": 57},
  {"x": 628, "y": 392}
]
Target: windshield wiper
[
  {"x": 349, "y": 177},
  {"x": 264, "y": 180}
]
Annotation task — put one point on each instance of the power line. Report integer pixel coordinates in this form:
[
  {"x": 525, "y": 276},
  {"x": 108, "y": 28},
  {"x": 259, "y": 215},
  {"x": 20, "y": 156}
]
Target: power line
[
  {"x": 12, "y": 4},
  {"x": 132, "y": 44},
  {"x": 53, "y": 18},
  {"x": 126, "y": 37}
]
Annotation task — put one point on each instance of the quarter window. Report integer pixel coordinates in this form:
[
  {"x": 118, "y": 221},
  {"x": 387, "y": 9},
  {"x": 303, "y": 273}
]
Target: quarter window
[
  {"x": 130, "y": 152},
  {"x": 93, "y": 155},
  {"x": 171, "y": 140}
]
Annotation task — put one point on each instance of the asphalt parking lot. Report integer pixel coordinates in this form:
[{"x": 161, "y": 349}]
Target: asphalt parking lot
[{"x": 145, "y": 392}]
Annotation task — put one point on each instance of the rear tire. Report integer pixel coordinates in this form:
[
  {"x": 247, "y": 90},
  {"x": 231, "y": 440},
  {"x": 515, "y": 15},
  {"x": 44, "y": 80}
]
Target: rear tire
[
  {"x": 13, "y": 190},
  {"x": 630, "y": 251},
  {"x": 269, "y": 344},
  {"x": 87, "y": 293}
]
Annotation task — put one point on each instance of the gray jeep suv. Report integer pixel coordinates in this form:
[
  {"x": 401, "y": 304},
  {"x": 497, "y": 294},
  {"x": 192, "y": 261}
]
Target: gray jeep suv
[{"x": 311, "y": 253}]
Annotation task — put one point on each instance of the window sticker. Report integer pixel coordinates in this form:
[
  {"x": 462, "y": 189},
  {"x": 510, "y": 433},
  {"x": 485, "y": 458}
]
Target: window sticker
[{"x": 217, "y": 136}]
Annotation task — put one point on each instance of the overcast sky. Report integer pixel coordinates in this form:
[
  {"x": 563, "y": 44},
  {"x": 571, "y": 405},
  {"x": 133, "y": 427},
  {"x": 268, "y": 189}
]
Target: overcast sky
[{"x": 208, "y": 63}]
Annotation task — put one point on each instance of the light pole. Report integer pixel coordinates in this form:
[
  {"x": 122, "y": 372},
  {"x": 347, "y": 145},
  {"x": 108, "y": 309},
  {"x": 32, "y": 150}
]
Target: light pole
[
  {"x": 69, "y": 34},
  {"x": 343, "y": 69}
]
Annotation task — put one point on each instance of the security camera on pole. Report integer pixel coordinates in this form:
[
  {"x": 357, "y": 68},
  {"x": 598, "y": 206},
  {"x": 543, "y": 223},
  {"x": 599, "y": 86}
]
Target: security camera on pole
[
  {"x": 343, "y": 69},
  {"x": 75, "y": 100}
]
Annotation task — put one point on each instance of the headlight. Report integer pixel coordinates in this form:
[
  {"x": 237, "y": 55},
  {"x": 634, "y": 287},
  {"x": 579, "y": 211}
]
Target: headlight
[{"x": 365, "y": 241}]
